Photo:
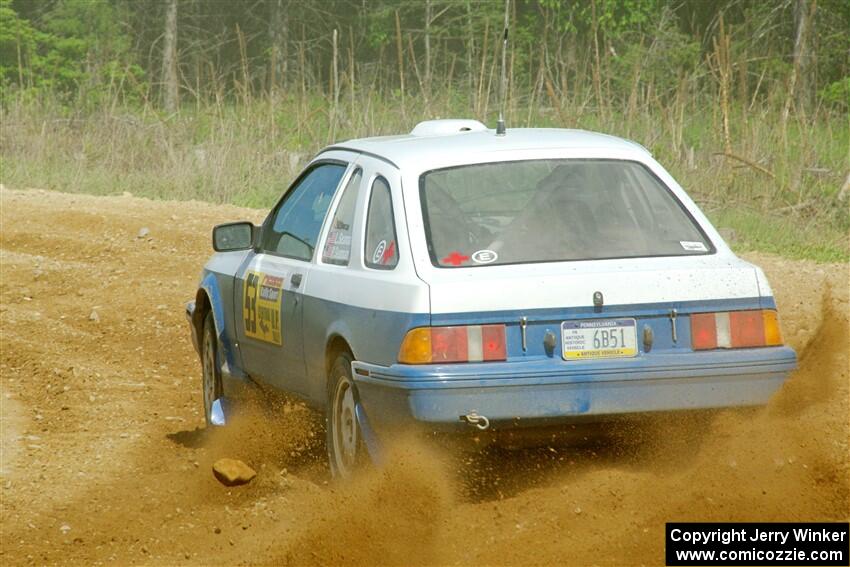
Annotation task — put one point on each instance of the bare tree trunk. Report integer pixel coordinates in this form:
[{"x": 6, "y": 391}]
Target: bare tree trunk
[
  {"x": 351, "y": 70},
  {"x": 400, "y": 50},
  {"x": 794, "y": 86},
  {"x": 278, "y": 23},
  {"x": 470, "y": 48},
  {"x": 484, "y": 47},
  {"x": 302, "y": 62},
  {"x": 721, "y": 50},
  {"x": 804, "y": 12},
  {"x": 169, "y": 59},
  {"x": 335, "y": 79},
  {"x": 597, "y": 74},
  {"x": 428, "y": 50}
]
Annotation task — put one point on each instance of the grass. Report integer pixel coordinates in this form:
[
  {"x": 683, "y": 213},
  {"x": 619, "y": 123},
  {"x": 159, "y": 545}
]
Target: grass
[
  {"x": 776, "y": 234},
  {"x": 247, "y": 154}
]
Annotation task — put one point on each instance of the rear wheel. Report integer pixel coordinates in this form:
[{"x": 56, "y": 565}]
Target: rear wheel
[
  {"x": 345, "y": 445},
  {"x": 211, "y": 377}
]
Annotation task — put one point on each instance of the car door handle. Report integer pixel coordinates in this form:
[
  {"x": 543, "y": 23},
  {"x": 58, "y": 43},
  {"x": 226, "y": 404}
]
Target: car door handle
[{"x": 296, "y": 280}]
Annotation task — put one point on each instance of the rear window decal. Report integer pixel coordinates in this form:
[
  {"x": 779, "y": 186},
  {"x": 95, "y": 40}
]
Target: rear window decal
[
  {"x": 337, "y": 246},
  {"x": 379, "y": 252},
  {"x": 484, "y": 257},
  {"x": 388, "y": 253},
  {"x": 693, "y": 246},
  {"x": 455, "y": 259}
]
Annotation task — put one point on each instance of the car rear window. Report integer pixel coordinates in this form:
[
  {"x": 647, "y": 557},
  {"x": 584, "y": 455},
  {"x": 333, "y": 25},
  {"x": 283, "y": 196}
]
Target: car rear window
[{"x": 553, "y": 210}]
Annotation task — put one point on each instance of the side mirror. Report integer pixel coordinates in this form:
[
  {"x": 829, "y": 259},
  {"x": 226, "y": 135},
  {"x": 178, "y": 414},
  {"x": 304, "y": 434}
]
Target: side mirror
[{"x": 233, "y": 236}]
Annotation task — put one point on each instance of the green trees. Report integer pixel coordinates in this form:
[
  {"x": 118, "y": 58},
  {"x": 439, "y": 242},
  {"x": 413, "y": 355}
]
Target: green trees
[
  {"x": 164, "y": 49},
  {"x": 76, "y": 49}
]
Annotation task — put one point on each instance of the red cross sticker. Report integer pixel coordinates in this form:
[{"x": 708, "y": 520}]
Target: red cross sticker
[{"x": 455, "y": 259}]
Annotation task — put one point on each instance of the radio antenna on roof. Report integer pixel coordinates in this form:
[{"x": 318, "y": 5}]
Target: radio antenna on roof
[{"x": 500, "y": 125}]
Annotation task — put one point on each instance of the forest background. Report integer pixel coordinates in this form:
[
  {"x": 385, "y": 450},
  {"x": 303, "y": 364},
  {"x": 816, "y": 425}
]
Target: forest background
[{"x": 747, "y": 102}]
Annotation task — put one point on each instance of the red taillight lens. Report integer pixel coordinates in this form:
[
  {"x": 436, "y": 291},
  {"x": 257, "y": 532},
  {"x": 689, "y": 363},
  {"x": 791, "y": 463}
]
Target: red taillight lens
[
  {"x": 448, "y": 344},
  {"x": 735, "y": 329},
  {"x": 471, "y": 343},
  {"x": 747, "y": 329},
  {"x": 493, "y": 342},
  {"x": 703, "y": 331}
]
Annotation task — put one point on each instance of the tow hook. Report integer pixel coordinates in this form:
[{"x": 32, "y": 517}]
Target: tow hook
[{"x": 479, "y": 421}]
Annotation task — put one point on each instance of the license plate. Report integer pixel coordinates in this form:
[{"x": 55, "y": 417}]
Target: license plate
[{"x": 599, "y": 338}]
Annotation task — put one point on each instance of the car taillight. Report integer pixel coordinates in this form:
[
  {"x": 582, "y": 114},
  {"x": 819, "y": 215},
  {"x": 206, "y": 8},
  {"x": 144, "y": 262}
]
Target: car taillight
[
  {"x": 735, "y": 329},
  {"x": 469, "y": 343}
]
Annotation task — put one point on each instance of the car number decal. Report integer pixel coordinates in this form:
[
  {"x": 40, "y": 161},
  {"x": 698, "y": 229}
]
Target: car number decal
[{"x": 261, "y": 299}]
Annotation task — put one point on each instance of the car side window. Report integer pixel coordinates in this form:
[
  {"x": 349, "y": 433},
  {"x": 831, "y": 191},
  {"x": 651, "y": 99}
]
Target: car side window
[
  {"x": 381, "y": 249},
  {"x": 298, "y": 219},
  {"x": 338, "y": 243}
]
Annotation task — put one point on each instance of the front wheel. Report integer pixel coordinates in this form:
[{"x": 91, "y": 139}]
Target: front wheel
[
  {"x": 211, "y": 377},
  {"x": 345, "y": 445}
]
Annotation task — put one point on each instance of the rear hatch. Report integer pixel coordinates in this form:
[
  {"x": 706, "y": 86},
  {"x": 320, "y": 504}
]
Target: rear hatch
[
  {"x": 598, "y": 252},
  {"x": 638, "y": 305}
]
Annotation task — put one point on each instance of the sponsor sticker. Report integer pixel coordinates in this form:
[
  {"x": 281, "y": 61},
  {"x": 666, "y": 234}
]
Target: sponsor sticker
[
  {"x": 455, "y": 259},
  {"x": 485, "y": 257},
  {"x": 379, "y": 252},
  {"x": 261, "y": 298},
  {"x": 693, "y": 246},
  {"x": 337, "y": 246}
]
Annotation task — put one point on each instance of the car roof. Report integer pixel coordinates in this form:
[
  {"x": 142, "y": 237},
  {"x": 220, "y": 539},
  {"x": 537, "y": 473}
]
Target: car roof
[{"x": 436, "y": 141}]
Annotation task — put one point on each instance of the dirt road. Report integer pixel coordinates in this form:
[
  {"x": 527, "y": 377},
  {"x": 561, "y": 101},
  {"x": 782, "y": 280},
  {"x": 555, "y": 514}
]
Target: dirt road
[{"x": 105, "y": 458}]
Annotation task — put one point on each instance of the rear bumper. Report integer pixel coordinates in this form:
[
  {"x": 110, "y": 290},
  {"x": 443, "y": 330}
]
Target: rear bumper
[{"x": 547, "y": 390}]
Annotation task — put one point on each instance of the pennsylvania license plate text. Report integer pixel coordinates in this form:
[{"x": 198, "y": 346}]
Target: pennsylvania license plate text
[{"x": 599, "y": 338}]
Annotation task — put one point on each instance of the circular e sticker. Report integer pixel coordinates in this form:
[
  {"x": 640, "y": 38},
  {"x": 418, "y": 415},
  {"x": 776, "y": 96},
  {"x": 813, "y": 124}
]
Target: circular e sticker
[
  {"x": 379, "y": 252},
  {"x": 485, "y": 257}
]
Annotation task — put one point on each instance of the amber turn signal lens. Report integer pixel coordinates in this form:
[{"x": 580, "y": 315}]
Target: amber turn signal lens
[
  {"x": 416, "y": 347},
  {"x": 772, "y": 332}
]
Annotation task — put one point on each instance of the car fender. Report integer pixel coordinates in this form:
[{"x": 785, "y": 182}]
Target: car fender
[
  {"x": 340, "y": 328},
  {"x": 232, "y": 365}
]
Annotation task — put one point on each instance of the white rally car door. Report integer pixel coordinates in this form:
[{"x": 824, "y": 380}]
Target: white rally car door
[{"x": 270, "y": 284}]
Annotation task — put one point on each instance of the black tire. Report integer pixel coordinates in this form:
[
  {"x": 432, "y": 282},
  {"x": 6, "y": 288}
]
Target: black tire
[
  {"x": 210, "y": 366},
  {"x": 342, "y": 432}
]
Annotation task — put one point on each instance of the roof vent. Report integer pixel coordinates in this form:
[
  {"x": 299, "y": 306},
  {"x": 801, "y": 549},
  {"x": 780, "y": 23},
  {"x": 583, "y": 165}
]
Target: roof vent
[{"x": 447, "y": 127}]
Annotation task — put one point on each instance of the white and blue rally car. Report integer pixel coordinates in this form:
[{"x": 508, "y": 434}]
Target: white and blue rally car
[{"x": 455, "y": 277}]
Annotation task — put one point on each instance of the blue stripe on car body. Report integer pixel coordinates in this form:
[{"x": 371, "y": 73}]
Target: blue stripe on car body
[{"x": 373, "y": 334}]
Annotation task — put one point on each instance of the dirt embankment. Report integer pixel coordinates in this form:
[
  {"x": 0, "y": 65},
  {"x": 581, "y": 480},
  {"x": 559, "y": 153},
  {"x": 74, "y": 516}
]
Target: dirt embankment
[{"x": 105, "y": 458}]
